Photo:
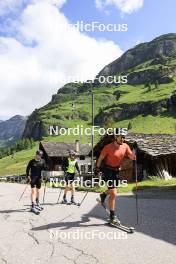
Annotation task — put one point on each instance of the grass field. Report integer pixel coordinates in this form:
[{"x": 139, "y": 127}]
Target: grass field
[
  {"x": 139, "y": 93},
  {"x": 16, "y": 165},
  {"x": 151, "y": 124}
]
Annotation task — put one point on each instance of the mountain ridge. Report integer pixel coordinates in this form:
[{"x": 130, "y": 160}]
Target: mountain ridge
[{"x": 12, "y": 129}]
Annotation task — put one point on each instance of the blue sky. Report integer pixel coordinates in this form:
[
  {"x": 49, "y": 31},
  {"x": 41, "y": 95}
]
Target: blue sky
[
  {"x": 155, "y": 18},
  {"x": 37, "y": 57},
  {"x": 151, "y": 20}
]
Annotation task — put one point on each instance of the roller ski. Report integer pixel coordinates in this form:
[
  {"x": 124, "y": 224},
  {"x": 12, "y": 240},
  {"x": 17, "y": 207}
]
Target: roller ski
[
  {"x": 35, "y": 210},
  {"x": 39, "y": 207},
  {"x": 64, "y": 201},
  {"x": 72, "y": 202},
  {"x": 114, "y": 221}
]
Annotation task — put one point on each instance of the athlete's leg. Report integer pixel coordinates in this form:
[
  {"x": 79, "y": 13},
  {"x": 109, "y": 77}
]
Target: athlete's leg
[
  {"x": 72, "y": 188},
  {"x": 112, "y": 184},
  {"x": 67, "y": 188},
  {"x": 38, "y": 187},
  {"x": 112, "y": 198},
  {"x": 33, "y": 195},
  {"x": 38, "y": 205},
  {"x": 112, "y": 203},
  {"x": 72, "y": 192},
  {"x": 105, "y": 178},
  {"x": 37, "y": 195}
]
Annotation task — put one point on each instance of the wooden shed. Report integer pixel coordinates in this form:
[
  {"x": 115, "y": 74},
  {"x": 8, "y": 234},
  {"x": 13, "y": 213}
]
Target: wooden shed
[
  {"x": 56, "y": 152},
  {"x": 156, "y": 153}
]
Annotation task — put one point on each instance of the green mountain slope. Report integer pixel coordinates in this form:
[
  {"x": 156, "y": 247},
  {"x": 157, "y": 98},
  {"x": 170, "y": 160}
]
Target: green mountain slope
[{"x": 143, "y": 102}]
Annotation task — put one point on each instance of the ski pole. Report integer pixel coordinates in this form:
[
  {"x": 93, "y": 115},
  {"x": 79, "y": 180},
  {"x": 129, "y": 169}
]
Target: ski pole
[
  {"x": 59, "y": 195},
  {"x": 23, "y": 192},
  {"x": 60, "y": 190},
  {"x": 136, "y": 181},
  {"x": 83, "y": 198},
  {"x": 44, "y": 192}
]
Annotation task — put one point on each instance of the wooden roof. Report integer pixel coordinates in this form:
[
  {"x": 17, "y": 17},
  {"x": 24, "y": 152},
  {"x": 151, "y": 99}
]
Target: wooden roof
[
  {"x": 60, "y": 149},
  {"x": 154, "y": 144}
]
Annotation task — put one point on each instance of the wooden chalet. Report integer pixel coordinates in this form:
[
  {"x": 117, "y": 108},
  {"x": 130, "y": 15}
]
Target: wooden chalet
[
  {"x": 56, "y": 152},
  {"x": 156, "y": 155}
]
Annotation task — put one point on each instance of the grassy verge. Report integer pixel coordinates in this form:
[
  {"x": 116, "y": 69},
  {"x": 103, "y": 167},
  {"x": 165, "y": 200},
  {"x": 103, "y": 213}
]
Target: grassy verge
[{"x": 16, "y": 165}]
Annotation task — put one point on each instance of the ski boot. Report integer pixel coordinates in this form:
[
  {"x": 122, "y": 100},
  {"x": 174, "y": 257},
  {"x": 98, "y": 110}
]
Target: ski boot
[
  {"x": 39, "y": 207},
  {"x": 34, "y": 210},
  {"x": 73, "y": 200},
  {"x": 114, "y": 220},
  {"x": 64, "y": 201}
]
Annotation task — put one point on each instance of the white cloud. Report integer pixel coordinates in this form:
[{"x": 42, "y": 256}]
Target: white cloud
[
  {"x": 32, "y": 63},
  {"x": 126, "y": 6}
]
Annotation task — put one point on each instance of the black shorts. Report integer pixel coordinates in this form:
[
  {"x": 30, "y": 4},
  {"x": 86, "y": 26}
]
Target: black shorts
[
  {"x": 36, "y": 182},
  {"x": 111, "y": 177},
  {"x": 69, "y": 177}
]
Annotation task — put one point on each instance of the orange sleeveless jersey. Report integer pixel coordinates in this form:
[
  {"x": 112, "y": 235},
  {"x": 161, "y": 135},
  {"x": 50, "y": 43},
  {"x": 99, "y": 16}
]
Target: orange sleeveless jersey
[{"x": 113, "y": 155}]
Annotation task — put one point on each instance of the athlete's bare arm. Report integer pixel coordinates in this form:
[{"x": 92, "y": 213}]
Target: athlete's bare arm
[
  {"x": 130, "y": 154},
  {"x": 100, "y": 159}
]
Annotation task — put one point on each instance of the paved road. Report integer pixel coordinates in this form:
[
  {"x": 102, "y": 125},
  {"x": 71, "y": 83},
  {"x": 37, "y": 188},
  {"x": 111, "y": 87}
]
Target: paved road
[{"x": 53, "y": 236}]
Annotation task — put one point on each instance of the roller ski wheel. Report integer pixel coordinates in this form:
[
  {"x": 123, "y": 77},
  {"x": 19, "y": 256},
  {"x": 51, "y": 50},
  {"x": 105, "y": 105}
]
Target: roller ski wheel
[
  {"x": 126, "y": 229},
  {"x": 74, "y": 203}
]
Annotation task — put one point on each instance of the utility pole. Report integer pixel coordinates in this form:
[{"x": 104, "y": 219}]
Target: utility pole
[{"x": 92, "y": 157}]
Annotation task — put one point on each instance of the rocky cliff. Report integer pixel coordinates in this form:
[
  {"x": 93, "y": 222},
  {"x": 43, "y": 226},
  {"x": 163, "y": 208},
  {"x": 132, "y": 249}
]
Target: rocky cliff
[
  {"x": 147, "y": 62},
  {"x": 12, "y": 128}
]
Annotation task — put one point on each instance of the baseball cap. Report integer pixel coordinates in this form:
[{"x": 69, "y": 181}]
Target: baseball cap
[
  {"x": 39, "y": 153},
  {"x": 72, "y": 152}
]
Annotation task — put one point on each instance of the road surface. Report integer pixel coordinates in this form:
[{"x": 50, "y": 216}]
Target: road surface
[{"x": 70, "y": 235}]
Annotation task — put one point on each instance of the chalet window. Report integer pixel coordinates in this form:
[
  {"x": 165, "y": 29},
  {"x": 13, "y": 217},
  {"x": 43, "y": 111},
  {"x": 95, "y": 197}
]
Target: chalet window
[
  {"x": 89, "y": 168},
  {"x": 82, "y": 157},
  {"x": 83, "y": 168}
]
